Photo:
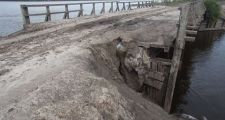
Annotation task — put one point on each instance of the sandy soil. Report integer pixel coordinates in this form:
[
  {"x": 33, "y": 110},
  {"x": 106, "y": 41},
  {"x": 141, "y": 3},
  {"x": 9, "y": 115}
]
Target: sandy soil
[{"x": 69, "y": 69}]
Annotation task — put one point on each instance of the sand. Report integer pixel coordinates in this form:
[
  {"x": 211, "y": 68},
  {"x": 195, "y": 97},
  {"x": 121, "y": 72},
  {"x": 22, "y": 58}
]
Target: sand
[{"x": 69, "y": 69}]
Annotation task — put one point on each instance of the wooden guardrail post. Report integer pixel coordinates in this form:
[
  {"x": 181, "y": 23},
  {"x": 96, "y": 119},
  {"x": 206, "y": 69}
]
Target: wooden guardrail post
[
  {"x": 147, "y": 4},
  {"x": 124, "y": 7},
  {"x": 81, "y": 13},
  {"x": 103, "y": 8},
  {"x": 129, "y": 6},
  {"x": 48, "y": 14},
  {"x": 66, "y": 14},
  {"x": 25, "y": 14},
  {"x": 93, "y": 10},
  {"x": 142, "y": 4},
  {"x": 152, "y": 3},
  {"x": 117, "y": 6},
  {"x": 111, "y": 8},
  {"x": 138, "y": 6}
]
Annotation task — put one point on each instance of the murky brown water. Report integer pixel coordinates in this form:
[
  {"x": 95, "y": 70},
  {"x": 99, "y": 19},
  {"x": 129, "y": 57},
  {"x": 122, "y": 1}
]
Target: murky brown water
[{"x": 200, "y": 89}]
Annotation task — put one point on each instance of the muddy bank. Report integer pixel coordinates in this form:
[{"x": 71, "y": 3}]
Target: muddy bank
[{"x": 72, "y": 71}]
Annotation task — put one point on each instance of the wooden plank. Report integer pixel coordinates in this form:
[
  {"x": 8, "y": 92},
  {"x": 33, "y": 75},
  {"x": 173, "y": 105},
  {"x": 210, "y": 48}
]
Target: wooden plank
[
  {"x": 60, "y": 12},
  {"x": 153, "y": 83},
  {"x": 156, "y": 75},
  {"x": 191, "y": 33},
  {"x": 160, "y": 67},
  {"x": 161, "y": 60},
  {"x": 75, "y": 11},
  {"x": 212, "y": 29},
  {"x": 148, "y": 45},
  {"x": 38, "y": 14},
  {"x": 179, "y": 46},
  {"x": 189, "y": 39},
  {"x": 154, "y": 66},
  {"x": 189, "y": 27},
  {"x": 44, "y": 5}
]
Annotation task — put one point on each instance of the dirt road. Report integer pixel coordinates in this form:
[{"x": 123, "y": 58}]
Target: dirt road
[{"x": 69, "y": 69}]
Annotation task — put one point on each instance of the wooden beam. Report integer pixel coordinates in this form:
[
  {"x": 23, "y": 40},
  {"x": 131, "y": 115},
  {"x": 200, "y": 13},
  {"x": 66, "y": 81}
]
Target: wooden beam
[
  {"x": 191, "y": 32},
  {"x": 189, "y": 39},
  {"x": 161, "y": 60},
  {"x": 81, "y": 13},
  {"x": 189, "y": 27},
  {"x": 111, "y": 8},
  {"x": 156, "y": 75},
  {"x": 178, "y": 49},
  {"x": 48, "y": 15},
  {"x": 124, "y": 7},
  {"x": 138, "y": 6},
  {"x": 93, "y": 9},
  {"x": 103, "y": 8},
  {"x": 142, "y": 4},
  {"x": 153, "y": 83},
  {"x": 24, "y": 10},
  {"x": 117, "y": 6},
  {"x": 129, "y": 6},
  {"x": 66, "y": 14}
]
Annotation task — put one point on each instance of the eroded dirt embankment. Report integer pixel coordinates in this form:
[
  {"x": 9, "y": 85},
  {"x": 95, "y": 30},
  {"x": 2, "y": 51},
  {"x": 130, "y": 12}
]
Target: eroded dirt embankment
[{"x": 71, "y": 71}]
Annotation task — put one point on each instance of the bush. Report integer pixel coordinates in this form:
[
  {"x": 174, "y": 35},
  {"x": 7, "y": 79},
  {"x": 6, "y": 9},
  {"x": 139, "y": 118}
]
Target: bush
[{"x": 213, "y": 10}]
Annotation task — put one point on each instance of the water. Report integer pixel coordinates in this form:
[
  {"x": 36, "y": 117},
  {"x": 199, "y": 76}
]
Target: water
[
  {"x": 200, "y": 89},
  {"x": 11, "y": 19}
]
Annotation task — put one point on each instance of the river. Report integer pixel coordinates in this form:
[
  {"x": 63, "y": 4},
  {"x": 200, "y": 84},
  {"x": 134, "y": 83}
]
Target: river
[{"x": 200, "y": 89}]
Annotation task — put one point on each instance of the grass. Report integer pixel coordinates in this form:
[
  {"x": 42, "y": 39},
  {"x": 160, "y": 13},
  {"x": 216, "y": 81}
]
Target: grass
[{"x": 213, "y": 10}]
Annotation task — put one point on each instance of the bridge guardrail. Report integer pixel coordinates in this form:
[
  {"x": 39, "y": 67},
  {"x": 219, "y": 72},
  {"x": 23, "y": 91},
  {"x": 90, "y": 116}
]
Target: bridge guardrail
[{"x": 48, "y": 14}]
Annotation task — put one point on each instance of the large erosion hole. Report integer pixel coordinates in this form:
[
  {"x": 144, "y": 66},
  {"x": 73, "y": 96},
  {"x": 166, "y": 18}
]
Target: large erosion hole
[{"x": 131, "y": 70}]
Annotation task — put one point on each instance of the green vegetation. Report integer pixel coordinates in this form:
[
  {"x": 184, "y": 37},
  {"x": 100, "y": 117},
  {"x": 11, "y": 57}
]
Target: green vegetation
[{"x": 213, "y": 11}]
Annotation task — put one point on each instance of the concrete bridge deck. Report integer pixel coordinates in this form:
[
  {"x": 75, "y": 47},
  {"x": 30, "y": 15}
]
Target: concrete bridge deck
[{"x": 69, "y": 69}]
